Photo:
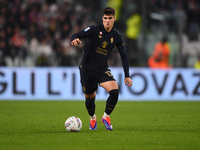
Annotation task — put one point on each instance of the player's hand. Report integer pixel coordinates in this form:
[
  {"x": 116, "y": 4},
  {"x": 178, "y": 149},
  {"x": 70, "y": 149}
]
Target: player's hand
[
  {"x": 128, "y": 81},
  {"x": 75, "y": 42}
]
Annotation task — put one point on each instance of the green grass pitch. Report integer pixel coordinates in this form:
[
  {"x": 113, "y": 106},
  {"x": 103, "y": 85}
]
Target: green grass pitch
[{"x": 39, "y": 125}]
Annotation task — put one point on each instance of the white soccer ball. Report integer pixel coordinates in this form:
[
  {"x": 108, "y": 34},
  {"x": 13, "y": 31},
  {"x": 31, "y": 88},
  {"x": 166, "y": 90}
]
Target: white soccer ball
[{"x": 73, "y": 124}]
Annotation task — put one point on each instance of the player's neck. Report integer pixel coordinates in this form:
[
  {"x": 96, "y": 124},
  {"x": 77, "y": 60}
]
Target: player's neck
[{"x": 108, "y": 29}]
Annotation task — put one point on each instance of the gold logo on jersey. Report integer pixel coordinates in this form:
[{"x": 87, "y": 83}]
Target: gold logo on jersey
[
  {"x": 104, "y": 44},
  {"x": 111, "y": 40},
  {"x": 100, "y": 36}
]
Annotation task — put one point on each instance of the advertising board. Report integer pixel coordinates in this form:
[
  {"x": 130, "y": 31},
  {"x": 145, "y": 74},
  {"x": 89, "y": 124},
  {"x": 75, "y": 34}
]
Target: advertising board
[{"x": 63, "y": 83}]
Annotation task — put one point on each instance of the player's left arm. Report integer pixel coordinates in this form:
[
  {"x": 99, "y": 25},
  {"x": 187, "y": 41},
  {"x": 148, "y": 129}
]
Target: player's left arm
[
  {"x": 128, "y": 81},
  {"x": 125, "y": 62}
]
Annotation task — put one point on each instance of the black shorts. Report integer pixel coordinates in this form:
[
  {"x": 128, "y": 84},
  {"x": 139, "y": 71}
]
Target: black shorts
[{"x": 90, "y": 83}]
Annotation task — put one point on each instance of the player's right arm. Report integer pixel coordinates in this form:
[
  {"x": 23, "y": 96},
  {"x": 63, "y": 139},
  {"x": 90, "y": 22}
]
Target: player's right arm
[
  {"x": 76, "y": 41},
  {"x": 75, "y": 38}
]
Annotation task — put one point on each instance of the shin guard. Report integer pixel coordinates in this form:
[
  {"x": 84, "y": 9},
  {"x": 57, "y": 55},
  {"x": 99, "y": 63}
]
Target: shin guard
[
  {"x": 90, "y": 105},
  {"x": 111, "y": 101}
]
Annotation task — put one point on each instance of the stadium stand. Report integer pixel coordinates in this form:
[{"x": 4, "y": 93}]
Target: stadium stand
[{"x": 31, "y": 29}]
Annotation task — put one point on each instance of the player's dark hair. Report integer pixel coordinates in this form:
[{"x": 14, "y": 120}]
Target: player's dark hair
[{"x": 109, "y": 11}]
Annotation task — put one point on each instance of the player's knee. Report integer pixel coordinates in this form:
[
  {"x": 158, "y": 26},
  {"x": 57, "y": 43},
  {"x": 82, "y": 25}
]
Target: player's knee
[
  {"x": 89, "y": 102},
  {"x": 90, "y": 96},
  {"x": 114, "y": 94}
]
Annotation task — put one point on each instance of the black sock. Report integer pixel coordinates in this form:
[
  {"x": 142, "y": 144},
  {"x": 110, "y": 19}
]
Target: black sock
[
  {"x": 111, "y": 101},
  {"x": 90, "y": 105}
]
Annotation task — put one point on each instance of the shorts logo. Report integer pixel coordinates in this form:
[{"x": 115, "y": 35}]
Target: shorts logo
[
  {"x": 83, "y": 88},
  {"x": 104, "y": 44},
  {"x": 109, "y": 73},
  {"x": 86, "y": 29}
]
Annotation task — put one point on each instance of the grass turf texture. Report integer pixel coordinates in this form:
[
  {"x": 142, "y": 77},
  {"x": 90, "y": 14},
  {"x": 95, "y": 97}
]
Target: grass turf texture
[{"x": 39, "y": 125}]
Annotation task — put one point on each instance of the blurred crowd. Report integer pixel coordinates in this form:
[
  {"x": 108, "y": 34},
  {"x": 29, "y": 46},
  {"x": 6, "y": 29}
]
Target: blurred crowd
[
  {"x": 187, "y": 11},
  {"x": 181, "y": 17},
  {"x": 37, "y": 32}
]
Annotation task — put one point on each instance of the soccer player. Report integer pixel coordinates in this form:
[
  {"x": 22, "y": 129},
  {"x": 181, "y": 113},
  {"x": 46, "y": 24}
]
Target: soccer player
[{"x": 94, "y": 68}]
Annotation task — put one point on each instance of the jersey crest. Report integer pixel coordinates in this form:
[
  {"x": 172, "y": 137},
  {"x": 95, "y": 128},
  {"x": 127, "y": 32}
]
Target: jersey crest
[{"x": 104, "y": 44}]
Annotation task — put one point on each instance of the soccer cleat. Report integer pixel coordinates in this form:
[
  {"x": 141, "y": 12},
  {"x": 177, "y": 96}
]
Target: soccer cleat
[
  {"x": 107, "y": 123},
  {"x": 93, "y": 124}
]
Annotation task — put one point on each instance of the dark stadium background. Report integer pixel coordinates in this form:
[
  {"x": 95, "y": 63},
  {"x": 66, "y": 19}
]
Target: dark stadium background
[{"x": 37, "y": 32}]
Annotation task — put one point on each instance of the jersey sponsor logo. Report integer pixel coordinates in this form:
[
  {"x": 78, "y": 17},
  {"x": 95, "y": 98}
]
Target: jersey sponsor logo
[
  {"x": 104, "y": 44},
  {"x": 102, "y": 51},
  {"x": 86, "y": 29}
]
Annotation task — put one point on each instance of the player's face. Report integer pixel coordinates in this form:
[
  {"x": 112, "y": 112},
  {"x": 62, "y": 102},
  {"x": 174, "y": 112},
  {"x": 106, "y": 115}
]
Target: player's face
[{"x": 108, "y": 21}]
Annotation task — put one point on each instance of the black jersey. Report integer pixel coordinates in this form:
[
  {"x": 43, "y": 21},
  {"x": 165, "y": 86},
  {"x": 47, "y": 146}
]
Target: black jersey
[{"x": 98, "y": 49}]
